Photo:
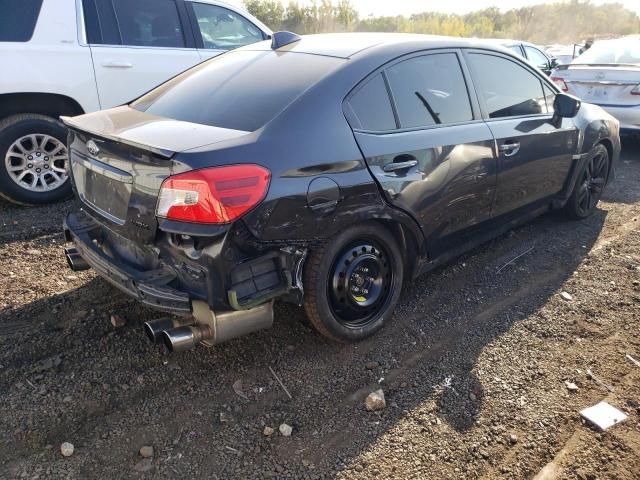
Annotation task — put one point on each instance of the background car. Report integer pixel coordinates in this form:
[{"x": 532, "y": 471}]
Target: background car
[
  {"x": 531, "y": 52},
  {"x": 608, "y": 74},
  {"x": 361, "y": 161},
  {"x": 67, "y": 57}
]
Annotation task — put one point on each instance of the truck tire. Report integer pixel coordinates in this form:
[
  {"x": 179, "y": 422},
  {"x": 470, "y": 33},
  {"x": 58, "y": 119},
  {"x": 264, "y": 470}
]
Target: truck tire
[{"x": 34, "y": 161}]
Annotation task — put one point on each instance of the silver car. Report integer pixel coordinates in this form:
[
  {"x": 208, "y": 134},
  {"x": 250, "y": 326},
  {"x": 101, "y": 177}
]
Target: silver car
[{"x": 608, "y": 75}]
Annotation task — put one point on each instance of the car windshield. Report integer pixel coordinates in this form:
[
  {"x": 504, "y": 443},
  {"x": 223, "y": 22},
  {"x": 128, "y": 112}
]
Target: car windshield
[
  {"x": 611, "y": 52},
  {"x": 240, "y": 90}
]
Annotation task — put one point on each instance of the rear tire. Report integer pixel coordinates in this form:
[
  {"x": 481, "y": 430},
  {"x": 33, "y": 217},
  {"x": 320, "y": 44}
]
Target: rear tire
[
  {"x": 33, "y": 160},
  {"x": 353, "y": 283},
  {"x": 590, "y": 185}
]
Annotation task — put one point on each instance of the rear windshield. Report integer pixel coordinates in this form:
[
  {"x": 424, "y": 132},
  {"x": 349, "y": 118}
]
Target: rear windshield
[
  {"x": 240, "y": 90},
  {"x": 618, "y": 51}
]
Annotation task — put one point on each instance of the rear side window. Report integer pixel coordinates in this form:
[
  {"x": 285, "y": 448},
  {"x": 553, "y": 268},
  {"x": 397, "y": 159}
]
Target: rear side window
[
  {"x": 18, "y": 19},
  {"x": 240, "y": 90},
  {"x": 430, "y": 90},
  {"x": 145, "y": 23},
  {"x": 508, "y": 89},
  {"x": 371, "y": 106},
  {"x": 151, "y": 23}
]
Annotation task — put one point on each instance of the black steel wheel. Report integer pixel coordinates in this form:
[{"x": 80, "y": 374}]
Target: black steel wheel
[
  {"x": 353, "y": 282},
  {"x": 590, "y": 185},
  {"x": 361, "y": 281}
]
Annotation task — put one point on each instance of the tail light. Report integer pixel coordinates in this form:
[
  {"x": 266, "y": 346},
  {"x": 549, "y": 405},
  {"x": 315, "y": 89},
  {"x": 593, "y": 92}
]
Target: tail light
[
  {"x": 213, "y": 195},
  {"x": 560, "y": 83},
  {"x": 636, "y": 90}
]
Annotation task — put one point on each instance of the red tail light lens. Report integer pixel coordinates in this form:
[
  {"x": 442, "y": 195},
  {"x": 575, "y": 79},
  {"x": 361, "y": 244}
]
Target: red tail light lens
[
  {"x": 560, "y": 83},
  {"x": 213, "y": 195}
]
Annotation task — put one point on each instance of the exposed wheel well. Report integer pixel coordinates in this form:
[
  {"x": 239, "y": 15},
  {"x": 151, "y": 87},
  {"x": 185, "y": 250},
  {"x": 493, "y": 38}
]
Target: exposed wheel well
[
  {"x": 609, "y": 146},
  {"x": 408, "y": 245},
  {"x": 49, "y": 104}
]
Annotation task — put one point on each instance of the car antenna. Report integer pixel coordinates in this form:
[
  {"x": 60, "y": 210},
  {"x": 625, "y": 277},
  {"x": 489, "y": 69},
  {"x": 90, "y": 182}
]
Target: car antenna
[{"x": 280, "y": 39}]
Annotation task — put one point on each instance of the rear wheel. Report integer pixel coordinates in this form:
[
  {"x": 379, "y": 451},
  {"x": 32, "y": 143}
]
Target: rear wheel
[
  {"x": 353, "y": 282},
  {"x": 34, "y": 161},
  {"x": 588, "y": 190}
]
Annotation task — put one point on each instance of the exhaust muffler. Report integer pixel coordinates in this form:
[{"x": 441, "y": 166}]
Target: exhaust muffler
[
  {"x": 75, "y": 261},
  {"x": 212, "y": 328}
]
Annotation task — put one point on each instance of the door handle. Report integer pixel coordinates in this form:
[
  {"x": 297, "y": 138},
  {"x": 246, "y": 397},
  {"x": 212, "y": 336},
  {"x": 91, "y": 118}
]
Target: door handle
[
  {"x": 401, "y": 162},
  {"x": 117, "y": 64},
  {"x": 509, "y": 149}
]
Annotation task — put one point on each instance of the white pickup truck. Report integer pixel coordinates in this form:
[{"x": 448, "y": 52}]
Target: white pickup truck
[{"x": 68, "y": 57}]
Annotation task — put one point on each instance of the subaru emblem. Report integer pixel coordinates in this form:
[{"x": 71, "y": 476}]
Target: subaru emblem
[{"x": 93, "y": 148}]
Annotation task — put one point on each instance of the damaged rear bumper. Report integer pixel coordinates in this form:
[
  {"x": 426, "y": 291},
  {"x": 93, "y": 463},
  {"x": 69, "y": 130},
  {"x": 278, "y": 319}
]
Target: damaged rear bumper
[
  {"x": 168, "y": 277},
  {"x": 149, "y": 287}
]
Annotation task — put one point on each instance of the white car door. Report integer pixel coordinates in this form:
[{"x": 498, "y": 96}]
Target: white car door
[
  {"x": 136, "y": 45},
  {"x": 221, "y": 28}
]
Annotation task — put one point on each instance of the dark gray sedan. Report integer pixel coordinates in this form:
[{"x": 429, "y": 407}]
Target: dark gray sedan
[{"x": 323, "y": 171}]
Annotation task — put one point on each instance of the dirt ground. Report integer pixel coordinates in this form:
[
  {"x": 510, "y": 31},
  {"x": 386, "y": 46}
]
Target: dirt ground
[{"x": 473, "y": 368}]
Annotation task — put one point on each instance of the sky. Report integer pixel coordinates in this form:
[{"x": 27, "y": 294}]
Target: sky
[{"x": 407, "y": 7}]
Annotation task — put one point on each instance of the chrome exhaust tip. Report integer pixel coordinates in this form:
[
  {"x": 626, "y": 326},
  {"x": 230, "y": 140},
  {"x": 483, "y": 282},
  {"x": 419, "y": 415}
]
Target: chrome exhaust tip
[
  {"x": 75, "y": 260},
  {"x": 185, "y": 338},
  {"x": 155, "y": 328}
]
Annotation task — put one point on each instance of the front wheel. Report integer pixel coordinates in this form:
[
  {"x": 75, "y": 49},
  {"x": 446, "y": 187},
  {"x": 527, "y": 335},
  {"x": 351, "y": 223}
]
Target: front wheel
[
  {"x": 590, "y": 185},
  {"x": 34, "y": 162},
  {"x": 353, "y": 282}
]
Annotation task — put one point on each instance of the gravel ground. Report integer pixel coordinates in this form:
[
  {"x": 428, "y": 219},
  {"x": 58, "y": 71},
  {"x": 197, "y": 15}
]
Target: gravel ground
[{"x": 473, "y": 368}]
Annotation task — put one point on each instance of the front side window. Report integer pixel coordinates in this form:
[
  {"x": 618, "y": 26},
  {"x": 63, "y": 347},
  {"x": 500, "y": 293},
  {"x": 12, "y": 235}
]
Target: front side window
[
  {"x": 430, "y": 90},
  {"x": 223, "y": 29},
  {"x": 149, "y": 23},
  {"x": 18, "y": 19},
  {"x": 507, "y": 88},
  {"x": 371, "y": 106},
  {"x": 537, "y": 58}
]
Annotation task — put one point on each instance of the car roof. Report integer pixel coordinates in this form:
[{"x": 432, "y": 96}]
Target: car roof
[{"x": 347, "y": 45}]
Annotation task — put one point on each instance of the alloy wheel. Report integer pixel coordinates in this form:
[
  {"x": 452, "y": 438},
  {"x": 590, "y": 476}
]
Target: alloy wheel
[
  {"x": 38, "y": 162},
  {"x": 593, "y": 182}
]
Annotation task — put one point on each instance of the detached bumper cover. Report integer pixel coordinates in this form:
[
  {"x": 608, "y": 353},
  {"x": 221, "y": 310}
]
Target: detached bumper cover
[{"x": 149, "y": 287}]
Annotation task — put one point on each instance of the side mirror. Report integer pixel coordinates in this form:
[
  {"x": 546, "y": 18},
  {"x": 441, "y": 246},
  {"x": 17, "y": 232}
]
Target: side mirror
[
  {"x": 566, "y": 106},
  {"x": 553, "y": 63}
]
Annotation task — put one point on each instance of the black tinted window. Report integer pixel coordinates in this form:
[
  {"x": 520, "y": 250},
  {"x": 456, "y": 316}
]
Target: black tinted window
[
  {"x": 372, "y": 107},
  {"x": 151, "y": 23},
  {"x": 18, "y": 19},
  {"x": 508, "y": 88},
  {"x": 241, "y": 90},
  {"x": 430, "y": 90}
]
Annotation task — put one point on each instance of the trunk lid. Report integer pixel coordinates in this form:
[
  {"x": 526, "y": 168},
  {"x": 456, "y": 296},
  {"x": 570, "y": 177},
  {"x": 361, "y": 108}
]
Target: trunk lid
[
  {"x": 119, "y": 159},
  {"x": 608, "y": 85}
]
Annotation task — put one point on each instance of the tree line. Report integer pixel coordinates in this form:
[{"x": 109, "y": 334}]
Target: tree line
[{"x": 561, "y": 22}]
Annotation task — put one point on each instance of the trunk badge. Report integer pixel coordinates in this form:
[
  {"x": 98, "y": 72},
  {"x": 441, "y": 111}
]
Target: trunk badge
[{"x": 93, "y": 148}]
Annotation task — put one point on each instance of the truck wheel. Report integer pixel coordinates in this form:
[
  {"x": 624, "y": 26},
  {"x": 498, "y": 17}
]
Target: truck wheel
[
  {"x": 352, "y": 283},
  {"x": 34, "y": 161},
  {"x": 588, "y": 189}
]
